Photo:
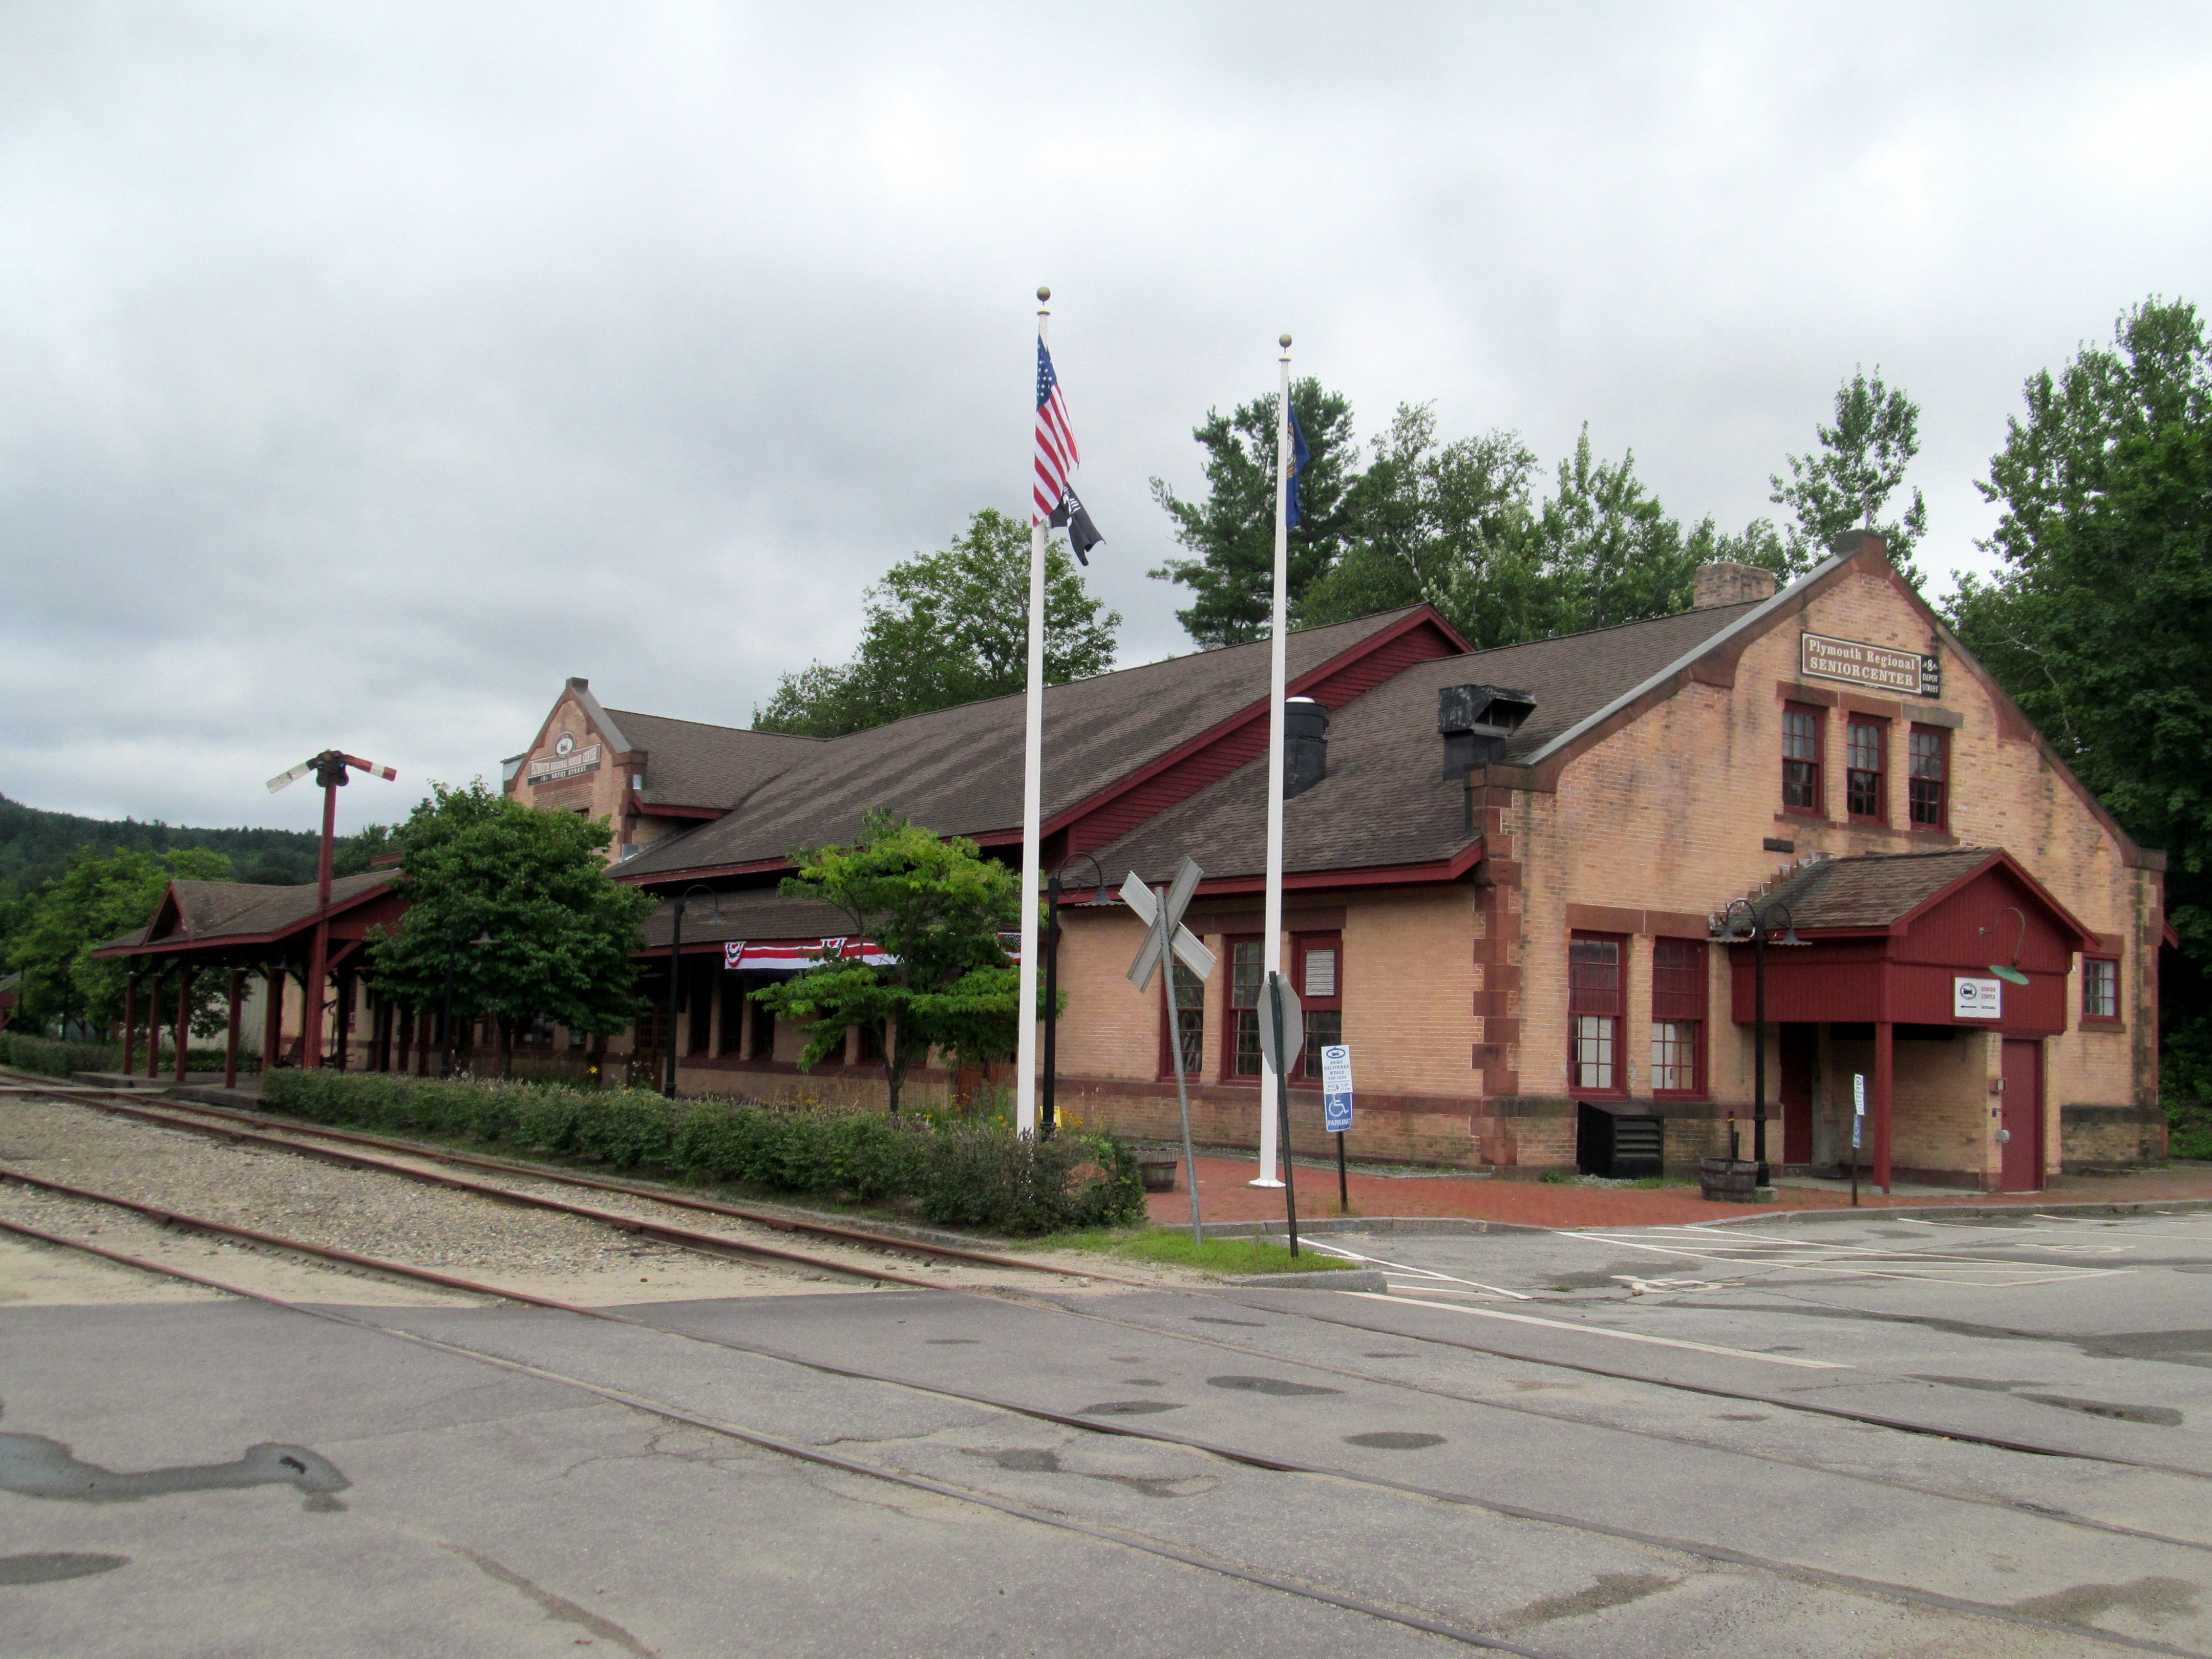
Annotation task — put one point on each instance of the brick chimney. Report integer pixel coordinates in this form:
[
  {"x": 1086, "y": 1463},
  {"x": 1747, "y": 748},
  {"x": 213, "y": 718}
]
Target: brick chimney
[{"x": 1732, "y": 583}]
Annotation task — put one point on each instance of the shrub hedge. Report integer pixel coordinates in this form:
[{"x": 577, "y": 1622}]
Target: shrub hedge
[
  {"x": 26, "y": 1052},
  {"x": 977, "y": 1174},
  {"x": 49, "y": 1058}
]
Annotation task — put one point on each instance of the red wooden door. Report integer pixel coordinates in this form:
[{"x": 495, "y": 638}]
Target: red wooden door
[
  {"x": 1798, "y": 1050},
  {"x": 2020, "y": 1116}
]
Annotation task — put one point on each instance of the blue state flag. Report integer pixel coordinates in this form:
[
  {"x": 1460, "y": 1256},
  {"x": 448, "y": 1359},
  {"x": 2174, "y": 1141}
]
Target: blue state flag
[{"x": 1299, "y": 456}]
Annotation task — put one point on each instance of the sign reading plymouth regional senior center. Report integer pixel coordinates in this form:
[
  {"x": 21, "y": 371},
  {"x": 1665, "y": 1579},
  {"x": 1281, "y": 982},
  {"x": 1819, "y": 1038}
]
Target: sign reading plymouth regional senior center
[{"x": 1861, "y": 664}]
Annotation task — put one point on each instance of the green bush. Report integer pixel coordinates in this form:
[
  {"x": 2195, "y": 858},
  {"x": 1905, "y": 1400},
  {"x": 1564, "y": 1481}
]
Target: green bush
[
  {"x": 981, "y": 1175},
  {"x": 26, "y": 1052}
]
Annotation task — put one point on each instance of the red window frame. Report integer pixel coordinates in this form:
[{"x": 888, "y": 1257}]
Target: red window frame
[
  {"x": 1597, "y": 991},
  {"x": 1190, "y": 997},
  {"x": 2091, "y": 1014},
  {"x": 1804, "y": 726},
  {"x": 1324, "y": 1015},
  {"x": 1866, "y": 770},
  {"x": 1680, "y": 984},
  {"x": 1928, "y": 778},
  {"x": 1240, "y": 1016}
]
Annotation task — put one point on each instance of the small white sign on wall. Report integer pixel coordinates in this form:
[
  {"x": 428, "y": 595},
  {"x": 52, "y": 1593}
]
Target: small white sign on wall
[{"x": 1977, "y": 999}]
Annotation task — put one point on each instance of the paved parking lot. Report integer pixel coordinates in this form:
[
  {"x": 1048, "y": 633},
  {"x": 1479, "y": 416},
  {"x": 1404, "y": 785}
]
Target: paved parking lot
[{"x": 1867, "y": 1437}]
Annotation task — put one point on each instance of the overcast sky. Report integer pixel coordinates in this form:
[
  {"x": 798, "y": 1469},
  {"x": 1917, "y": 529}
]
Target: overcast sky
[{"x": 366, "y": 370}]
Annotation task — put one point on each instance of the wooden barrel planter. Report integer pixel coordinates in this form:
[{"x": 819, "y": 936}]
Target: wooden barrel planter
[
  {"x": 1159, "y": 1173},
  {"x": 1728, "y": 1180}
]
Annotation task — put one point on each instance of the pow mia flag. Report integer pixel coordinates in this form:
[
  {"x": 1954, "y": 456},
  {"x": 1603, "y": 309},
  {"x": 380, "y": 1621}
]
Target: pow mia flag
[{"x": 1069, "y": 516}]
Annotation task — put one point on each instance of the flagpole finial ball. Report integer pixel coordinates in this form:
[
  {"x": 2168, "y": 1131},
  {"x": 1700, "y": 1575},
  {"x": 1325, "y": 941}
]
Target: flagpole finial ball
[
  {"x": 1044, "y": 293},
  {"x": 1286, "y": 343}
]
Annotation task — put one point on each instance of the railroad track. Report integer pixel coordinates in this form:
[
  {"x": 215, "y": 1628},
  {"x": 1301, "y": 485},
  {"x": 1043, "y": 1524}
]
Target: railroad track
[
  {"x": 276, "y": 1134},
  {"x": 1798, "y": 1572},
  {"x": 353, "y": 1149}
]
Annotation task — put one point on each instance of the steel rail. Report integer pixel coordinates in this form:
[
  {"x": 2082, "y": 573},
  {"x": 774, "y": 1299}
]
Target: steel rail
[
  {"x": 703, "y": 1243},
  {"x": 1720, "y": 1555},
  {"x": 164, "y": 1115},
  {"x": 804, "y": 1454},
  {"x": 172, "y": 1113}
]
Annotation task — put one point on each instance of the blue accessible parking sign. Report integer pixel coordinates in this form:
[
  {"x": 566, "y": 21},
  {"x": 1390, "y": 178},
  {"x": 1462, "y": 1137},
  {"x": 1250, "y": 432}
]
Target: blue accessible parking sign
[{"x": 1336, "y": 1088}]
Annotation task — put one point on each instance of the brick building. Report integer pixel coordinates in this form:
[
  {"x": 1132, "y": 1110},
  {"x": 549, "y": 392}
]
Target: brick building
[
  {"x": 1508, "y": 884},
  {"x": 646, "y": 775}
]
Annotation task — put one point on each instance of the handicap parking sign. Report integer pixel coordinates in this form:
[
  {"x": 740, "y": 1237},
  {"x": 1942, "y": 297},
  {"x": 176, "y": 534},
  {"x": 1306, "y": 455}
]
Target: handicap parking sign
[{"x": 1336, "y": 1088}]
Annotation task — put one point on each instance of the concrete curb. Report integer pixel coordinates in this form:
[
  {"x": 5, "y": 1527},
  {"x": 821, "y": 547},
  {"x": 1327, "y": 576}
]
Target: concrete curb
[
  {"x": 1355, "y": 1279},
  {"x": 1962, "y": 1211},
  {"x": 1326, "y": 1226}
]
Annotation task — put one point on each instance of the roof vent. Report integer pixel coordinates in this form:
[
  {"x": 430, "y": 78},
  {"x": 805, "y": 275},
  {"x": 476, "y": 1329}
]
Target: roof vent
[
  {"x": 1476, "y": 720},
  {"x": 1305, "y": 745}
]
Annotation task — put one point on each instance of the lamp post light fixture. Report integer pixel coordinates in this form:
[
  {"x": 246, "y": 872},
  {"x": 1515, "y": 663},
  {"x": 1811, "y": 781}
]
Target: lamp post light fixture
[
  {"x": 452, "y": 955},
  {"x": 1759, "y": 921},
  {"x": 676, "y": 969},
  {"x": 2009, "y": 972},
  {"x": 1053, "y": 890}
]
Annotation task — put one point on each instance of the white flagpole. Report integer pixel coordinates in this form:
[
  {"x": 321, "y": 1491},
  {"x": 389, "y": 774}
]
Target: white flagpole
[
  {"x": 1025, "y": 1053},
  {"x": 1272, "y": 949}
]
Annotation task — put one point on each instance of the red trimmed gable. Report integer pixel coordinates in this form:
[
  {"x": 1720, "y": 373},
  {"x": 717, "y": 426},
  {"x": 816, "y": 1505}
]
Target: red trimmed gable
[{"x": 1422, "y": 636}]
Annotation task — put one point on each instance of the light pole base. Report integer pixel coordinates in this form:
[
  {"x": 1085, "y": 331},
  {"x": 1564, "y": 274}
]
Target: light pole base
[{"x": 1264, "y": 1180}]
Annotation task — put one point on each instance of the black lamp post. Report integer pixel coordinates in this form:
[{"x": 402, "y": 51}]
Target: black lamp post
[
  {"x": 676, "y": 969},
  {"x": 1051, "y": 888},
  {"x": 1760, "y": 923},
  {"x": 453, "y": 954}
]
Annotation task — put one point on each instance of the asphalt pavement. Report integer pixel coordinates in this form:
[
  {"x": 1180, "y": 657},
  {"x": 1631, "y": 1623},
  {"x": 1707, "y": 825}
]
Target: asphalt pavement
[{"x": 1835, "y": 1437}]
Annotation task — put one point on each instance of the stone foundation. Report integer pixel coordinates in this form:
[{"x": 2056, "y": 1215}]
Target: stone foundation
[{"x": 2098, "y": 1138}]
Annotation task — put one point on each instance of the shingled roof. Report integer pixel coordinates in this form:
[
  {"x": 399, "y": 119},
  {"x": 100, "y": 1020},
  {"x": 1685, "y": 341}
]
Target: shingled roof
[
  {"x": 1385, "y": 801},
  {"x": 691, "y": 763},
  {"x": 959, "y": 771},
  {"x": 761, "y": 913},
  {"x": 216, "y": 910}
]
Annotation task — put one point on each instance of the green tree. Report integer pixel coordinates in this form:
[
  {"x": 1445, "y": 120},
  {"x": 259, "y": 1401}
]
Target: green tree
[
  {"x": 2094, "y": 621},
  {"x": 937, "y": 909},
  {"x": 351, "y": 854},
  {"x": 949, "y": 628},
  {"x": 1442, "y": 524},
  {"x": 475, "y": 863},
  {"x": 1862, "y": 460},
  {"x": 1608, "y": 551},
  {"x": 1458, "y": 526},
  {"x": 96, "y": 899},
  {"x": 1232, "y": 530}
]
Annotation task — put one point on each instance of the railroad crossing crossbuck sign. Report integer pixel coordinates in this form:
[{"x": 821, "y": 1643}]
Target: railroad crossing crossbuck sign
[
  {"x": 1165, "y": 932},
  {"x": 1166, "y": 927}
]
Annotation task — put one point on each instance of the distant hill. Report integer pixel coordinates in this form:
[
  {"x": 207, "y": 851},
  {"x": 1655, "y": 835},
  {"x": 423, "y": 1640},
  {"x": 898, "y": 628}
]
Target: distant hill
[{"x": 35, "y": 845}]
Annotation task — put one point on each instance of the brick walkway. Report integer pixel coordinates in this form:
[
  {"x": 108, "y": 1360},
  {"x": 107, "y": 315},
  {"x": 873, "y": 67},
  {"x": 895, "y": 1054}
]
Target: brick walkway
[{"x": 1223, "y": 1195}]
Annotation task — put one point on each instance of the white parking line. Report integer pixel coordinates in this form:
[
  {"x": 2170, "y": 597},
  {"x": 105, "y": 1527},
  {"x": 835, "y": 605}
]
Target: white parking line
[
  {"x": 1442, "y": 1279},
  {"x": 1750, "y": 1253},
  {"x": 1601, "y": 1330}
]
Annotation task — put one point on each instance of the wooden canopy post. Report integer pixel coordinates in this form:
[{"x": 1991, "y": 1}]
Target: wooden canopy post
[
  {"x": 230, "y": 1040},
  {"x": 1885, "y": 1092},
  {"x": 129, "y": 1021},
  {"x": 272, "y": 1019},
  {"x": 342, "y": 993},
  {"x": 153, "y": 1024},
  {"x": 185, "y": 977}
]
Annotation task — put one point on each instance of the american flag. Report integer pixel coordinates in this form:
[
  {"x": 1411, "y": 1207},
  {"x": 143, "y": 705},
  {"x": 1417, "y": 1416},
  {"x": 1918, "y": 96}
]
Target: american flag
[{"x": 1057, "y": 455}]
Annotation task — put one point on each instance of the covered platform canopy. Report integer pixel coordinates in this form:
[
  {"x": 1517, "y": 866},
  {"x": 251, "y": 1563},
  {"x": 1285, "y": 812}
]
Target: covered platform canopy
[
  {"x": 1964, "y": 938},
  {"x": 240, "y": 927}
]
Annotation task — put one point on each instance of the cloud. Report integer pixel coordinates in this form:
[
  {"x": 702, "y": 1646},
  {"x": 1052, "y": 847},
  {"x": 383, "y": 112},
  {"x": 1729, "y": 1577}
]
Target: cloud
[{"x": 363, "y": 372}]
